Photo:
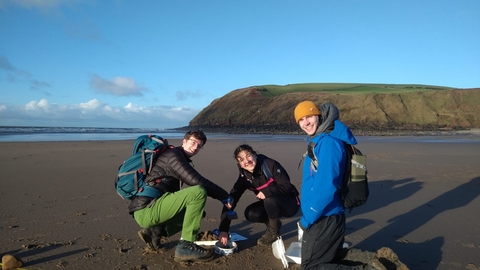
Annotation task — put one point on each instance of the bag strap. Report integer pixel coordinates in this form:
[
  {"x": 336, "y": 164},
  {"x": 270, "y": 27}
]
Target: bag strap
[
  {"x": 311, "y": 153},
  {"x": 359, "y": 165},
  {"x": 268, "y": 175},
  {"x": 266, "y": 170},
  {"x": 355, "y": 151},
  {"x": 270, "y": 178}
]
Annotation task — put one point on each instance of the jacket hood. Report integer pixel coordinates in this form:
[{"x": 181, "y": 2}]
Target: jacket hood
[
  {"x": 342, "y": 132},
  {"x": 330, "y": 124}
]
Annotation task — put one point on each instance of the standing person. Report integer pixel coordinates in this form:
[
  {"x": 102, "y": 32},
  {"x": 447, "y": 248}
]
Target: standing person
[
  {"x": 177, "y": 209},
  {"x": 277, "y": 197},
  {"x": 323, "y": 220}
]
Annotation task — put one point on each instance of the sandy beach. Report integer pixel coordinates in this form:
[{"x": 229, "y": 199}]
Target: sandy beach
[{"x": 59, "y": 208}]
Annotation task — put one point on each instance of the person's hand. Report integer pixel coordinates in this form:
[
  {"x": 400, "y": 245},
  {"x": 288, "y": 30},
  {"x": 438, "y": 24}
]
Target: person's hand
[
  {"x": 223, "y": 238},
  {"x": 228, "y": 202},
  {"x": 300, "y": 232},
  {"x": 261, "y": 196}
]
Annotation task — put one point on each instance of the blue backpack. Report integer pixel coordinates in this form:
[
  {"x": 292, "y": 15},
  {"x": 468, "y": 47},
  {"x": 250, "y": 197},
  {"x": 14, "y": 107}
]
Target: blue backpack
[{"x": 131, "y": 174}]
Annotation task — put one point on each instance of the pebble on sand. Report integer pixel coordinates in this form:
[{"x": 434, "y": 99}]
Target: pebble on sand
[{"x": 10, "y": 262}]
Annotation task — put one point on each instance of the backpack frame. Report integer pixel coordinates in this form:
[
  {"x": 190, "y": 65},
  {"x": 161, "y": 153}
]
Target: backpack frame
[{"x": 131, "y": 174}]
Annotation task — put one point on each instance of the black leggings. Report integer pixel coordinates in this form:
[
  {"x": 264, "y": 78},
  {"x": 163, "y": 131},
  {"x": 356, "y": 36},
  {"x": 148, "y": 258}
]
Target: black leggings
[{"x": 271, "y": 208}]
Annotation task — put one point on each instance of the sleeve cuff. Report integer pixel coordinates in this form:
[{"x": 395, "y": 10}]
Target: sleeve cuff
[{"x": 302, "y": 225}]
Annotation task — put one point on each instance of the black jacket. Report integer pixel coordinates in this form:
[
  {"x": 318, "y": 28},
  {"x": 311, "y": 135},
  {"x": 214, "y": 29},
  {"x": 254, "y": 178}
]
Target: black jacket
[
  {"x": 281, "y": 187},
  {"x": 171, "y": 170}
]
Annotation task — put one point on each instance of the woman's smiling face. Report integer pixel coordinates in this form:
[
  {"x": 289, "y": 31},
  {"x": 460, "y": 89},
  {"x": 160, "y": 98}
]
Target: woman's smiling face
[{"x": 247, "y": 160}]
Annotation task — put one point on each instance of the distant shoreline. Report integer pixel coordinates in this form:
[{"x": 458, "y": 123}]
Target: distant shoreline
[
  {"x": 224, "y": 133},
  {"x": 356, "y": 132}
]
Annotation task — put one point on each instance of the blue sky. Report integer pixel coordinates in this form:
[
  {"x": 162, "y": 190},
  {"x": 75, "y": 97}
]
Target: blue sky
[{"x": 156, "y": 64}]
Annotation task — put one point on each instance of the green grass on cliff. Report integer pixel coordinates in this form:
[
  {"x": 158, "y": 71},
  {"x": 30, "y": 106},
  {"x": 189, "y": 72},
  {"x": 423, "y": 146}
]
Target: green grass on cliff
[{"x": 343, "y": 88}]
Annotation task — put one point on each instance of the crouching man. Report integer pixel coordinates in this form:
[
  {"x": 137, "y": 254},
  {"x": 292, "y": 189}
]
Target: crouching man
[{"x": 177, "y": 209}]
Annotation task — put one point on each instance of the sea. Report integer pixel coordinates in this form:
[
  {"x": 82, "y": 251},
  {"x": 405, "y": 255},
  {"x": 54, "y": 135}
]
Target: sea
[
  {"x": 53, "y": 134},
  {"x": 58, "y": 134}
]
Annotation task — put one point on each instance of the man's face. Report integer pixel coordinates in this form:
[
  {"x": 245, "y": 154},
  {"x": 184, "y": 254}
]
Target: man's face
[
  {"x": 192, "y": 146},
  {"x": 309, "y": 124}
]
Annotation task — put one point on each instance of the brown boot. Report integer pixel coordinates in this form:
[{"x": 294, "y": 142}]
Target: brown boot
[
  {"x": 153, "y": 236},
  {"x": 375, "y": 264},
  {"x": 390, "y": 259},
  {"x": 271, "y": 233}
]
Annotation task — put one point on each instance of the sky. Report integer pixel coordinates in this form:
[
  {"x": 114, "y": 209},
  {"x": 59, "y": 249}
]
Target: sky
[{"x": 158, "y": 63}]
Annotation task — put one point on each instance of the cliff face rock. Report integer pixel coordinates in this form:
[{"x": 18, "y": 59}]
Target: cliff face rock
[{"x": 253, "y": 107}]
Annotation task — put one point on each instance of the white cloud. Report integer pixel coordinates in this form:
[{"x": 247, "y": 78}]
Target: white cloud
[
  {"x": 118, "y": 86},
  {"x": 34, "y": 106},
  {"x": 91, "y": 105},
  {"x": 94, "y": 113}
]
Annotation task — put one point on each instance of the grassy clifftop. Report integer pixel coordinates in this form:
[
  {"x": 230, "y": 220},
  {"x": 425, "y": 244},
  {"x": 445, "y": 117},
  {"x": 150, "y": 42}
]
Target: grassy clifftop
[{"x": 270, "y": 108}]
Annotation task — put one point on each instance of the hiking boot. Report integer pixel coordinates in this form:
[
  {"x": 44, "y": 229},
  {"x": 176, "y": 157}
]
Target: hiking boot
[
  {"x": 153, "y": 236},
  {"x": 390, "y": 259},
  {"x": 271, "y": 234},
  {"x": 189, "y": 251},
  {"x": 375, "y": 264}
]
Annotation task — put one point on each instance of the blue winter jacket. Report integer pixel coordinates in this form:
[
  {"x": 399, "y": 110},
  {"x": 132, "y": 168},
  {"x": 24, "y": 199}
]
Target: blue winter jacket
[{"x": 320, "y": 194}]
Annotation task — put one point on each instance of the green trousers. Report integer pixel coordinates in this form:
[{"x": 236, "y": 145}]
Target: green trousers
[{"x": 177, "y": 211}]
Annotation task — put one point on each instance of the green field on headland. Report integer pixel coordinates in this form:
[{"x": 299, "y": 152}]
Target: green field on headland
[{"x": 344, "y": 88}]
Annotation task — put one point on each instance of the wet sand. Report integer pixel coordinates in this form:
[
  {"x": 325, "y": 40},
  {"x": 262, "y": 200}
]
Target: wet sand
[{"x": 59, "y": 208}]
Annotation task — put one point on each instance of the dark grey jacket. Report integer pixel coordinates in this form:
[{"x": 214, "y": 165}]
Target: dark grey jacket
[
  {"x": 171, "y": 170},
  {"x": 280, "y": 187}
]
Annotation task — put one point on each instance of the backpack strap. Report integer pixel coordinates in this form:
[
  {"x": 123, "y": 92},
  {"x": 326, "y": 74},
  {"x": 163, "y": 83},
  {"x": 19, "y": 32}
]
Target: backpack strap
[
  {"x": 355, "y": 163},
  {"x": 268, "y": 174},
  {"x": 266, "y": 170},
  {"x": 311, "y": 153},
  {"x": 135, "y": 178},
  {"x": 359, "y": 165},
  {"x": 301, "y": 160}
]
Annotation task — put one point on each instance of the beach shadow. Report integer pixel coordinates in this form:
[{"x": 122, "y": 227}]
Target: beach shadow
[
  {"x": 357, "y": 224},
  {"x": 244, "y": 229},
  {"x": 382, "y": 194},
  {"x": 289, "y": 230},
  {"x": 11, "y": 252},
  {"x": 393, "y": 235},
  {"x": 23, "y": 254},
  {"x": 55, "y": 257},
  {"x": 385, "y": 192}
]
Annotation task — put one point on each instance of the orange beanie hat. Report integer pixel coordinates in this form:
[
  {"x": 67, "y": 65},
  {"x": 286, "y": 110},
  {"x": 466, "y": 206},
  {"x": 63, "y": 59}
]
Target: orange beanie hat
[{"x": 306, "y": 108}]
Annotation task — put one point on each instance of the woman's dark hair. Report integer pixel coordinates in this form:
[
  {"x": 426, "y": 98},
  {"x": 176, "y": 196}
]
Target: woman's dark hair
[
  {"x": 243, "y": 147},
  {"x": 197, "y": 134}
]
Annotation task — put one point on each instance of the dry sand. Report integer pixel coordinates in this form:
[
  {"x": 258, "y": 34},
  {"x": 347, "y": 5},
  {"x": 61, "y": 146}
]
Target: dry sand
[{"x": 59, "y": 208}]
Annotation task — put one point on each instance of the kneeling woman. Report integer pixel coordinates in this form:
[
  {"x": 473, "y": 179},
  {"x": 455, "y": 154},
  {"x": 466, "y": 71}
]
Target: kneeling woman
[{"x": 277, "y": 197}]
